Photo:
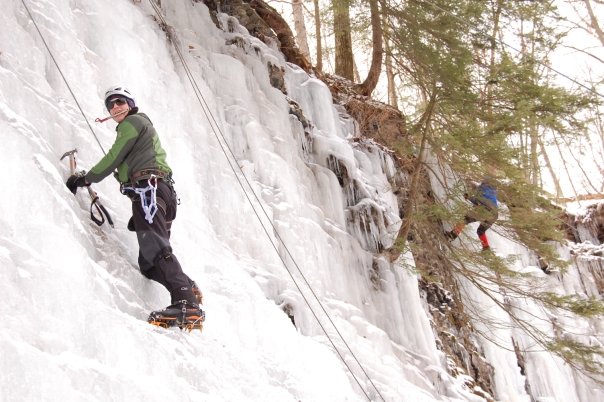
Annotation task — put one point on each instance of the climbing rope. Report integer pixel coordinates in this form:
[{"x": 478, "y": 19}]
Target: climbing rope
[
  {"x": 239, "y": 172},
  {"x": 224, "y": 147},
  {"x": 95, "y": 200},
  {"x": 62, "y": 75}
]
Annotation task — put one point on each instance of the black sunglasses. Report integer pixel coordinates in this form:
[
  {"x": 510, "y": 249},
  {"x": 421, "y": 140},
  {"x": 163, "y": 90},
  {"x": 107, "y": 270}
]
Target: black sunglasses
[{"x": 116, "y": 101}]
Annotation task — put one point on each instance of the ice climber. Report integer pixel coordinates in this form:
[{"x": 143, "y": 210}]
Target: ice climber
[
  {"x": 484, "y": 200},
  {"x": 146, "y": 178}
]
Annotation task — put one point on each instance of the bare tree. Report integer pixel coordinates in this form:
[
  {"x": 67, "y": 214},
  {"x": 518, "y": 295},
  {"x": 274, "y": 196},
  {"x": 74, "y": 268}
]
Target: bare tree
[
  {"x": 300, "y": 27},
  {"x": 392, "y": 94},
  {"x": 594, "y": 21},
  {"x": 318, "y": 36}
]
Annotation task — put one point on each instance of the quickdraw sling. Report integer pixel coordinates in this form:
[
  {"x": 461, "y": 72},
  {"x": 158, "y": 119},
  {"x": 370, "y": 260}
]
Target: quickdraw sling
[{"x": 148, "y": 197}]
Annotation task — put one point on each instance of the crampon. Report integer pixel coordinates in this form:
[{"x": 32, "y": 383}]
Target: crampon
[{"x": 186, "y": 317}]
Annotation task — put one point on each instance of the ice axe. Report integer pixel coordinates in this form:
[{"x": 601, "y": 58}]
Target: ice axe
[{"x": 102, "y": 212}]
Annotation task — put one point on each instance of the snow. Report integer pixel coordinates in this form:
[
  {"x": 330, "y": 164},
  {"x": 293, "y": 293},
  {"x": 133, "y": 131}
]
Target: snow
[{"x": 75, "y": 304}]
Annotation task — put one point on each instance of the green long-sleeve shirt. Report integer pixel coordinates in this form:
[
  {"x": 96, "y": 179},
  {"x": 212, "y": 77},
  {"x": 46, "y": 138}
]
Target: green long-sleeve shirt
[{"x": 136, "y": 147}]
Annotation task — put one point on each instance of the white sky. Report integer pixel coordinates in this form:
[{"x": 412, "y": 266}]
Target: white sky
[{"x": 75, "y": 304}]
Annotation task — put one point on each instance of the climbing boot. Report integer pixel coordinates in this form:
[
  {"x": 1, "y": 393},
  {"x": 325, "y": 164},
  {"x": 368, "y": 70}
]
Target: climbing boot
[
  {"x": 181, "y": 314},
  {"x": 197, "y": 293},
  {"x": 451, "y": 235}
]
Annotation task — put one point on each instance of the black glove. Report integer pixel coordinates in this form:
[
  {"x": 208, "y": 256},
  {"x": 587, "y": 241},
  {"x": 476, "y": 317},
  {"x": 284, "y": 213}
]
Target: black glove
[
  {"x": 76, "y": 181},
  {"x": 131, "y": 224}
]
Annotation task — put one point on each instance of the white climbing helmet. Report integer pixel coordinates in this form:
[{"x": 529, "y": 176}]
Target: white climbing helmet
[{"x": 120, "y": 90}]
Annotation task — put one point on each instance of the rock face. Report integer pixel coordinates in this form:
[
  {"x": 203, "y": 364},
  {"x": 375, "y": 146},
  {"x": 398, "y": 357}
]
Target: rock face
[
  {"x": 263, "y": 22},
  {"x": 586, "y": 232},
  {"x": 586, "y": 227}
]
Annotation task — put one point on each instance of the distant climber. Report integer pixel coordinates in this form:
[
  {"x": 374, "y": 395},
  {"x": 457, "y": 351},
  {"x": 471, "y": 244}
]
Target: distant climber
[
  {"x": 146, "y": 179},
  {"x": 484, "y": 199}
]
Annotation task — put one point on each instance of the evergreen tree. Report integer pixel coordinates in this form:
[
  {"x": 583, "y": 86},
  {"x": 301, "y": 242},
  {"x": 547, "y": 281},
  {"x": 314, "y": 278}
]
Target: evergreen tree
[{"x": 482, "y": 107}]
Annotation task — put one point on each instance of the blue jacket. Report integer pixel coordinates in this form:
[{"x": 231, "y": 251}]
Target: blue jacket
[{"x": 486, "y": 195}]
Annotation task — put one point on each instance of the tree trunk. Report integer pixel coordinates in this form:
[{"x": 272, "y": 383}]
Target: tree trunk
[
  {"x": 493, "y": 44},
  {"x": 318, "y": 36},
  {"x": 284, "y": 34},
  {"x": 367, "y": 87},
  {"x": 392, "y": 96},
  {"x": 357, "y": 77},
  {"x": 582, "y": 197},
  {"x": 414, "y": 185},
  {"x": 300, "y": 27},
  {"x": 534, "y": 154},
  {"x": 594, "y": 21},
  {"x": 568, "y": 175},
  {"x": 343, "y": 39},
  {"x": 548, "y": 163}
]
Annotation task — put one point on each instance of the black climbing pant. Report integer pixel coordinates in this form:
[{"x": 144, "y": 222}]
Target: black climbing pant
[
  {"x": 485, "y": 214},
  {"x": 156, "y": 260}
]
